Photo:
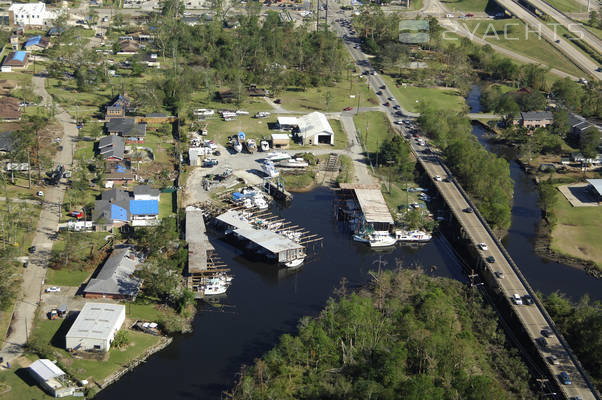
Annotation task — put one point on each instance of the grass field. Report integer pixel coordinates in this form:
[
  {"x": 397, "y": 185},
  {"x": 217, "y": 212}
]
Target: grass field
[
  {"x": 577, "y": 233},
  {"x": 373, "y": 129},
  {"x": 595, "y": 31},
  {"x": 516, "y": 40},
  {"x": 567, "y": 6},
  {"x": 165, "y": 204},
  {"x": 411, "y": 97},
  {"x": 22, "y": 387},
  {"x": 466, "y": 5},
  {"x": 66, "y": 277}
]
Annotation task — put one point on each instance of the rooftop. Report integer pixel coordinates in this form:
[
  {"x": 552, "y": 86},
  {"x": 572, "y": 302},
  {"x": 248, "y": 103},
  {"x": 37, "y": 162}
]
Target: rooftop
[
  {"x": 96, "y": 321},
  {"x": 373, "y": 206},
  {"x": 198, "y": 242},
  {"x": 46, "y": 369},
  {"x": 144, "y": 207},
  {"x": 313, "y": 124},
  {"x": 288, "y": 121},
  {"x": 597, "y": 184},
  {"x": 267, "y": 239},
  {"x": 146, "y": 190},
  {"x": 536, "y": 115},
  {"x": 115, "y": 277}
]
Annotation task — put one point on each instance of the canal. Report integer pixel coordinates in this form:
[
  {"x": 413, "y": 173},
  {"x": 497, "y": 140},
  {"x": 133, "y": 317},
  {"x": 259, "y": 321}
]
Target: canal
[{"x": 264, "y": 303}]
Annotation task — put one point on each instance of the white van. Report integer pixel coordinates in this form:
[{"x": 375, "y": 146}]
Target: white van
[{"x": 517, "y": 300}]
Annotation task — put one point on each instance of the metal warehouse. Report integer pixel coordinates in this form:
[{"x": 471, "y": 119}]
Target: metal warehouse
[{"x": 95, "y": 327}]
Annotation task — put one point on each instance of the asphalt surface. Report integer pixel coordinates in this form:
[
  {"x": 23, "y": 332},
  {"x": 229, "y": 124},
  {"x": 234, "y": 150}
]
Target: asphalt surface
[{"x": 531, "y": 316}]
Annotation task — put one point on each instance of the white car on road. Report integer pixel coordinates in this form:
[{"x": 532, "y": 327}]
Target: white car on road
[
  {"x": 53, "y": 289},
  {"x": 483, "y": 246},
  {"x": 437, "y": 178}
]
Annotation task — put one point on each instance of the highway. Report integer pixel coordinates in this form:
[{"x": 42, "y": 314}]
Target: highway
[{"x": 533, "y": 317}]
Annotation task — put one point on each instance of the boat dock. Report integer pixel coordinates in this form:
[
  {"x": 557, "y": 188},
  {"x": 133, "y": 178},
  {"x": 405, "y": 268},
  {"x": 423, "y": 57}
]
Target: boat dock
[
  {"x": 277, "y": 190},
  {"x": 203, "y": 261},
  {"x": 268, "y": 236},
  {"x": 363, "y": 207}
]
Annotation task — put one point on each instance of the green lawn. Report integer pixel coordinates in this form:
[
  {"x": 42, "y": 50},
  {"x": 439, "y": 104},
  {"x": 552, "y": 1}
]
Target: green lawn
[
  {"x": 160, "y": 145},
  {"x": 294, "y": 181},
  {"x": 146, "y": 312},
  {"x": 84, "y": 150},
  {"x": 568, "y": 6},
  {"x": 52, "y": 331},
  {"x": 21, "y": 385},
  {"x": 577, "y": 233},
  {"x": 595, "y": 31},
  {"x": 165, "y": 204},
  {"x": 66, "y": 277},
  {"x": 516, "y": 40},
  {"x": 466, "y": 5},
  {"x": 373, "y": 129}
]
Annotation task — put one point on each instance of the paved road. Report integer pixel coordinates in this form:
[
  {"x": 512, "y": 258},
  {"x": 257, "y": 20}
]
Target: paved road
[
  {"x": 532, "y": 317},
  {"x": 33, "y": 276},
  {"x": 576, "y": 28}
]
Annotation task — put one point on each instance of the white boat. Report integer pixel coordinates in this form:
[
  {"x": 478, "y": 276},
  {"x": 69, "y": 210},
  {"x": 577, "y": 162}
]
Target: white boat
[
  {"x": 260, "y": 202},
  {"x": 251, "y": 145},
  {"x": 269, "y": 169},
  {"x": 293, "y": 163},
  {"x": 294, "y": 263},
  {"x": 380, "y": 240},
  {"x": 413, "y": 236},
  {"x": 361, "y": 238},
  {"x": 248, "y": 203},
  {"x": 277, "y": 156},
  {"x": 215, "y": 286},
  {"x": 237, "y": 146},
  {"x": 265, "y": 145}
]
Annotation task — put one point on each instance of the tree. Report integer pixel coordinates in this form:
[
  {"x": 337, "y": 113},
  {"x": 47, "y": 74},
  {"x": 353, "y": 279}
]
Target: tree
[
  {"x": 562, "y": 124},
  {"x": 548, "y": 197},
  {"x": 589, "y": 142},
  {"x": 121, "y": 339}
]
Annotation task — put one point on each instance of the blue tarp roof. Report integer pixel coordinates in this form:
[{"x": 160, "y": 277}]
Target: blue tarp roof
[
  {"x": 237, "y": 196},
  {"x": 19, "y": 55},
  {"x": 121, "y": 169},
  {"x": 144, "y": 207},
  {"x": 32, "y": 41},
  {"x": 118, "y": 213}
]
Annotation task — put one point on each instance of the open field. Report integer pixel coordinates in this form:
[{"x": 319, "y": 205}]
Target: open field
[
  {"x": 22, "y": 387},
  {"x": 577, "y": 233},
  {"x": 517, "y": 40},
  {"x": 373, "y": 129},
  {"x": 466, "y": 5},
  {"x": 165, "y": 204},
  {"x": 411, "y": 97},
  {"x": 567, "y": 6},
  {"x": 66, "y": 277}
]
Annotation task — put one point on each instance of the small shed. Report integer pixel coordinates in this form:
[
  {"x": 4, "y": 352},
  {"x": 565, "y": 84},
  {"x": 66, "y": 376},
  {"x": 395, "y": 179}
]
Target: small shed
[
  {"x": 280, "y": 140},
  {"x": 51, "y": 378},
  {"x": 287, "y": 123}
]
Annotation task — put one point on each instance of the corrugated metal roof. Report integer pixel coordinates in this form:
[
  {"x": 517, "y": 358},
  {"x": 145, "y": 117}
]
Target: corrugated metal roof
[
  {"x": 97, "y": 321},
  {"x": 46, "y": 369},
  {"x": 288, "y": 121},
  {"x": 373, "y": 206},
  {"x": 314, "y": 124},
  {"x": 269, "y": 240},
  {"x": 144, "y": 207}
]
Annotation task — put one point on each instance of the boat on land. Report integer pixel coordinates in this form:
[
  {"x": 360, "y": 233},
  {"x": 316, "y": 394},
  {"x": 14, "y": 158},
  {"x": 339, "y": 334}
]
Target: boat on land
[
  {"x": 237, "y": 146},
  {"x": 413, "y": 236},
  {"x": 269, "y": 169},
  {"x": 277, "y": 156},
  {"x": 251, "y": 145},
  {"x": 293, "y": 163},
  {"x": 265, "y": 145}
]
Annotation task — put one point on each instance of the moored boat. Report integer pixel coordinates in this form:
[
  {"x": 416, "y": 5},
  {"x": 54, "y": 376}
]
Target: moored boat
[
  {"x": 382, "y": 240},
  {"x": 413, "y": 236}
]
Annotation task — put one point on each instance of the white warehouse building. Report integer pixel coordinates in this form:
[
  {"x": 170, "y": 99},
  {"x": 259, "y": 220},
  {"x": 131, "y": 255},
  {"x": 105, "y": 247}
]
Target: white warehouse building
[
  {"x": 95, "y": 327},
  {"x": 31, "y": 14},
  {"x": 314, "y": 128}
]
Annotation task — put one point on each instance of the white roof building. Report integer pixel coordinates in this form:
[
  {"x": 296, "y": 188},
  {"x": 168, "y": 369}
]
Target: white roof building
[
  {"x": 314, "y": 128},
  {"x": 51, "y": 378},
  {"x": 31, "y": 13},
  {"x": 287, "y": 122},
  {"x": 95, "y": 327}
]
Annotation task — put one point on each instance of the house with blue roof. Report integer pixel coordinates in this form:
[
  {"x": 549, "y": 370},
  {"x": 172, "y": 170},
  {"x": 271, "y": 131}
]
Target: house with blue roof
[
  {"x": 36, "y": 43},
  {"x": 118, "y": 207},
  {"x": 15, "y": 59}
]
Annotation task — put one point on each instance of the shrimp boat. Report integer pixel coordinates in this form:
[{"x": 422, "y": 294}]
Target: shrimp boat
[
  {"x": 413, "y": 236},
  {"x": 269, "y": 169},
  {"x": 382, "y": 240}
]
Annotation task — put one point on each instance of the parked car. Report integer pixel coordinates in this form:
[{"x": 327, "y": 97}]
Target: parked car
[
  {"x": 26, "y": 264},
  {"x": 499, "y": 274},
  {"x": 40, "y": 193},
  {"x": 387, "y": 104},
  {"x": 53, "y": 289},
  {"x": 383, "y": 87},
  {"x": 347, "y": 108},
  {"x": 490, "y": 259},
  {"x": 564, "y": 378},
  {"x": 32, "y": 249},
  {"x": 553, "y": 360},
  {"x": 547, "y": 332}
]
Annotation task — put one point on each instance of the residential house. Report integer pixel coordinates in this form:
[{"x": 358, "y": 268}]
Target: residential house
[
  {"x": 128, "y": 128},
  {"x": 117, "y": 207},
  {"x": 314, "y": 128},
  {"x": 145, "y": 192},
  {"x": 36, "y": 43},
  {"x": 95, "y": 327},
  {"x": 116, "y": 278},
  {"x": 119, "y": 174},
  {"x": 128, "y": 47},
  {"x": 7, "y": 142},
  {"x": 51, "y": 378},
  {"x": 535, "y": 119},
  {"x": 15, "y": 60},
  {"x": 119, "y": 107},
  {"x": 112, "y": 148},
  {"x": 31, "y": 14},
  {"x": 10, "y": 109},
  {"x": 579, "y": 124}
]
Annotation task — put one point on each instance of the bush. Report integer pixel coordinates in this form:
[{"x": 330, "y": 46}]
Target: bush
[{"x": 121, "y": 340}]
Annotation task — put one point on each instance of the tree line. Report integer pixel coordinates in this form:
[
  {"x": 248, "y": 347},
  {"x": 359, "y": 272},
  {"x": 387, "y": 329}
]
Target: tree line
[{"x": 407, "y": 336}]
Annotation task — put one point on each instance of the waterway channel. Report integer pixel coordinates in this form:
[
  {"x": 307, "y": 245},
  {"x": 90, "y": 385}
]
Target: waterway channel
[{"x": 264, "y": 303}]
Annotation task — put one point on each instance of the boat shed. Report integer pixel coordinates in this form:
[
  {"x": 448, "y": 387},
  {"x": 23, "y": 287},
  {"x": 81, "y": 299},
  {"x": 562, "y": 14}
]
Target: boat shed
[
  {"x": 595, "y": 186},
  {"x": 51, "y": 378},
  {"x": 287, "y": 123},
  {"x": 374, "y": 210},
  {"x": 95, "y": 327}
]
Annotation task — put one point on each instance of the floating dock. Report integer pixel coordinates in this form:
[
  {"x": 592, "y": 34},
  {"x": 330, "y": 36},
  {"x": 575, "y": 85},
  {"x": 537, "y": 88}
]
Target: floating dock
[{"x": 203, "y": 261}]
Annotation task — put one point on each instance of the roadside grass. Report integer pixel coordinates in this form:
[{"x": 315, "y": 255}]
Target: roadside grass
[
  {"x": 84, "y": 150},
  {"x": 142, "y": 311},
  {"x": 595, "y": 31},
  {"x": 23, "y": 221},
  {"x": 346, "y": 169},
  {"x": 51, "y": 332},
  {"x": 396, "y": 196},
  {"x": 577, "y": 233},
  {"x": 66, "y": 277},
  {"x": 517, "y": 40},
  {"x": 204, "y": 99},
  {"x": 373, "y": 129},
  {"x": 567, "y": 6},
  {"x": 577, "y": 43},
  {"x": 467, "y": 5},
  {"x": 165, "y": 204},
  {"x": 314, "y": 99},
  {"x": 410, "y": 97}
]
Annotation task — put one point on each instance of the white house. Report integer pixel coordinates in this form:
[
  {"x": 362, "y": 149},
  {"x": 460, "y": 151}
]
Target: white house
[
  {"x": 95, "y": 327},
  {"x": 315, "y": 129},
  {"x": 31, "y": 14}
]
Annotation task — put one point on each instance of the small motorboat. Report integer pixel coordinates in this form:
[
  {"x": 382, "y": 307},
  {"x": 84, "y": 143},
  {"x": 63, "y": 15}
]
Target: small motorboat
[{"x": 265, "y": 145}]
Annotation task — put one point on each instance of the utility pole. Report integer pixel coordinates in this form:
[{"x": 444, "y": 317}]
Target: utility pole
[
  {"x": 326, "y": 24},
  {"x": 317, "y": 15}
]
